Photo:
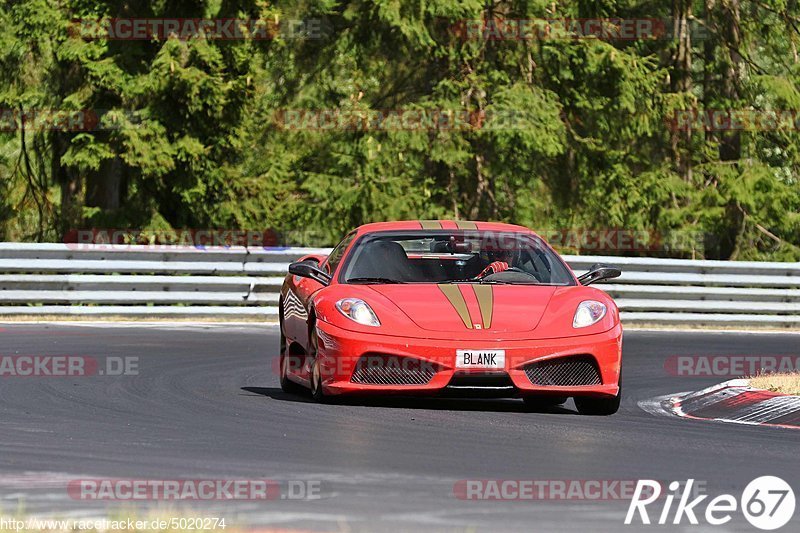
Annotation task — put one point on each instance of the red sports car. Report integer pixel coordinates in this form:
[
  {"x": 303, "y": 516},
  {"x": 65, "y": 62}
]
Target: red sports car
[{"x": 450, "y": 307}]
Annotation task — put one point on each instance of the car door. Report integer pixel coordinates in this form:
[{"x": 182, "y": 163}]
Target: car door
[{"x": 301, "y": 292}]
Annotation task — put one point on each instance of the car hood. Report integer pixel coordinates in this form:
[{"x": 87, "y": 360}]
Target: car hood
[{"x": 456, "y": 307}]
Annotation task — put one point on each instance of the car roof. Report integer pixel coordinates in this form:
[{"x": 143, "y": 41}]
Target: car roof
[{"x": 403, "y": 225}]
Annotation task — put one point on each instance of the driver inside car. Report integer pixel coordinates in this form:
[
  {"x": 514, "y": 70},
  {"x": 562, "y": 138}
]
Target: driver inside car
[{"x": 500, "y": 261}]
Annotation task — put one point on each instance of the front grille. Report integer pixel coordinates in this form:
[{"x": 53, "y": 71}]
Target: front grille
[
  {"x": 380, "y": 369},
  {"x": 564, "y": 371},
  {"x": 487, "y": 384},
  {"x": 492, "y": 380}
]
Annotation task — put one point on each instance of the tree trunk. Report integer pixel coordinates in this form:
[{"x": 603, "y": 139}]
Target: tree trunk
[
  {"x": 71, "y": 185},
  {"x": 709, "y": 61},
  {"x": 681, "y": 81},
  {"x": 730, "y": 141},
  {"x": 104, "y": 188},
  {"x": 730, "y": 148}
]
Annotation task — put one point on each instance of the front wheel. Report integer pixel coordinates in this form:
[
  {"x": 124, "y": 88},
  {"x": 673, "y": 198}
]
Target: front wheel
[
  {"x": 543, "y": 402},
  {"x": 599, "y": 406},
  {"x": 288, "y": 385},
  {"x": 316, "y": 372},
  {"x": 316, "y": 385},
  {"x": 286, "y": 360}
]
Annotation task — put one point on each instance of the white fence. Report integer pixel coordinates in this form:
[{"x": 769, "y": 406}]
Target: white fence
[{"x": 60, "y": 279}]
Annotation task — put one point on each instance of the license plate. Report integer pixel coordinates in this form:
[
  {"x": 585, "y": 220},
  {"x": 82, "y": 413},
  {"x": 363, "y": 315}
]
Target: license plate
[{"x": 481, "y": 359}]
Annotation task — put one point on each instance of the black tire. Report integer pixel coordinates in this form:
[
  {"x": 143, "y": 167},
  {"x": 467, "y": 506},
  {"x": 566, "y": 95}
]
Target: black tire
[
  {"x": 316, "y": 385},
  {"x": 287, "y": 385},
  {"x": 600, "y": 406},
  {"x": 543, "y": 402},
  {"x": 317, "y": 393},
  {"x": 316, "y": 375}
]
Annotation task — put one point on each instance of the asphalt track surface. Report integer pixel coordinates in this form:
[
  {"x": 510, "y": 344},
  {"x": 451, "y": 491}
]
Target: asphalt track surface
[{"x": 206, "y": 404}]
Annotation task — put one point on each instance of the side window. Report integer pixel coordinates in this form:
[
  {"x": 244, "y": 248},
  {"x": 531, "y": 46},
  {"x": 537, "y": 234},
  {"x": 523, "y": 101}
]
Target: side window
[{"x": 337, "y": 253}]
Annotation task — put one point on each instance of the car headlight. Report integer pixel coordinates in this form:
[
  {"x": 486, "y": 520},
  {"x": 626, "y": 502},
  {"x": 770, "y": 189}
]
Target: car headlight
[
  {"x": 358, "y": 311},
  {"x": 588, "y": 312}
]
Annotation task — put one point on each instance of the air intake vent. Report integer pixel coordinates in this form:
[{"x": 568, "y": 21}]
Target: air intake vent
[
  {"x": 564, "y": 372},
  {"x": 380, "y": 369}
]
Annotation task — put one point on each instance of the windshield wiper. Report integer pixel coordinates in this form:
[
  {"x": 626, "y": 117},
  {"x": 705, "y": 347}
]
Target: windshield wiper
[
  {"x": 473, "y": 280},
  {"x": 505, "y": 282},
  {"x": 373, "y": 280}
]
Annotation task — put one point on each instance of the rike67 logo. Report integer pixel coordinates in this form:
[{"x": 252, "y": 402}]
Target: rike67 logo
[{"x": 767, "y": 502}]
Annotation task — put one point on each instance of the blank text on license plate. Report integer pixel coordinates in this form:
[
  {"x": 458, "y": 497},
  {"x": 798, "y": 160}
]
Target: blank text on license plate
[{"x": 481, "y": 359}]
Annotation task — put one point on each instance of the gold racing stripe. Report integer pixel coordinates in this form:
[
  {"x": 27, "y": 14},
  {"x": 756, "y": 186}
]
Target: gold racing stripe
[
  {"x": 456, "y": 299},
  {"x": 485, "y": 296},
  {"x": 430, "y": 224},
  {"x": 466, "y": 224}
]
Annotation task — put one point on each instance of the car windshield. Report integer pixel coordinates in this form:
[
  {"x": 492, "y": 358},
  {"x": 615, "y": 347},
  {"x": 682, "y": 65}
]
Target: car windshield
[{"x": 454, "y": 257}]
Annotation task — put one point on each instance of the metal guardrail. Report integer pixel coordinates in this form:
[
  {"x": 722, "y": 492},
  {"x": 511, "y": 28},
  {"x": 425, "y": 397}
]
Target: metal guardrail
[{"x": 142, "y": 281}]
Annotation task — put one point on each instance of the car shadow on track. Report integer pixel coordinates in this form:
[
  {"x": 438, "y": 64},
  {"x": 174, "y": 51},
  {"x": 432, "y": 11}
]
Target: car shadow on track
[{"x": 502, "y": 405}]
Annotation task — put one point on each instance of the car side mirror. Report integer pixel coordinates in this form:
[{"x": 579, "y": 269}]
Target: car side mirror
[
  {"x": 314, "y": 258},
  {"x": 307, "y": 269},
  {"x": 599, "y": 272}
]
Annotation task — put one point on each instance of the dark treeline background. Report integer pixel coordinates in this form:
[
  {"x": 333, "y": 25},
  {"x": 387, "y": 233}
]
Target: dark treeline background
[{"x": 198, "y": 140}]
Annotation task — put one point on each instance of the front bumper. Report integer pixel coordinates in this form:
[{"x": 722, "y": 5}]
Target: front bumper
[{"x": 339, "y": 351}]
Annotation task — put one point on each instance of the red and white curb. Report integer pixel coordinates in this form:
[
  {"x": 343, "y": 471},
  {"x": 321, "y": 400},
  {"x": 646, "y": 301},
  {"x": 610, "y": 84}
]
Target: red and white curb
[{"x": 734, "y": 402}]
